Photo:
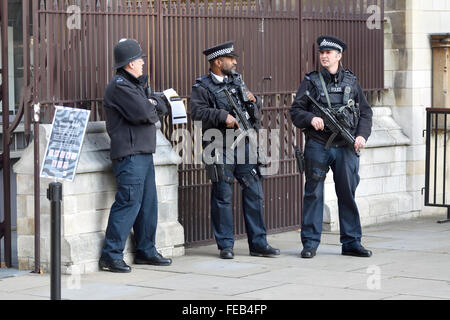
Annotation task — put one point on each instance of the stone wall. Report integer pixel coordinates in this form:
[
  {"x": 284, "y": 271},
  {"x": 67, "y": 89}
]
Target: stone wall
[
  {"x": 409, "y": 61},
  {"x": 86, "y": 204}
]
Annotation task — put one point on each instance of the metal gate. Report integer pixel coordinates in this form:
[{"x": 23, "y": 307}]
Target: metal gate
[
  {"x": 13, "y": 140},
  {"x": 5, "y": 225},
  {"x": 269, "y": 60},
  {"x": 437, "y": 174}
]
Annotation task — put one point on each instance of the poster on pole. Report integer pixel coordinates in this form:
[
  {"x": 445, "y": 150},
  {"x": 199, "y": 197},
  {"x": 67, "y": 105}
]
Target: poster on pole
[{"x": 64, "y": 146}]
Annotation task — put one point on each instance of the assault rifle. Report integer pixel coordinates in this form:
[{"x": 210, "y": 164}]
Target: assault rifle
[
  {"x": 332, "y": 122},
  {"x": 242, "y": 117}
]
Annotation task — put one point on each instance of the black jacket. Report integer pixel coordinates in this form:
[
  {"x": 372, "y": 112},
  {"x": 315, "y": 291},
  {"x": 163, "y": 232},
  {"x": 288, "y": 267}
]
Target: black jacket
[
  {"x": 213, "y": 114},
  {"x": 302, "y": 109},
  {"x": 130, "y": 116}
]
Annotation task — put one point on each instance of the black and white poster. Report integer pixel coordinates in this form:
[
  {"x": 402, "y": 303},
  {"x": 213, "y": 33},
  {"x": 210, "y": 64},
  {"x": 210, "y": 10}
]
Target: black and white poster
[{"x": 64, "y": 146}]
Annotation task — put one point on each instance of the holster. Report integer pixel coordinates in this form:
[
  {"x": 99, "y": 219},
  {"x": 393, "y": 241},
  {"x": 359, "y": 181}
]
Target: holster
[
  {"x": 252, "y": 177},
  {"x": 216, "y": 173}
]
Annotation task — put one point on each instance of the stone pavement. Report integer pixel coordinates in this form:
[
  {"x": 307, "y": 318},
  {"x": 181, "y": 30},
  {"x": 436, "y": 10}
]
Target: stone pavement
[{"x": 411, "y": 261}]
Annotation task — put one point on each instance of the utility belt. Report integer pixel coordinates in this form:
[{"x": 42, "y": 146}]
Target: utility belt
[{"x": 218, "y": 173}]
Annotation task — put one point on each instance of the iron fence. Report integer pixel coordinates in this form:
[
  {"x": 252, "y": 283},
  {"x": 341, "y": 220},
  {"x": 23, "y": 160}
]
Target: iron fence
[{"x": 437, "y": 171}]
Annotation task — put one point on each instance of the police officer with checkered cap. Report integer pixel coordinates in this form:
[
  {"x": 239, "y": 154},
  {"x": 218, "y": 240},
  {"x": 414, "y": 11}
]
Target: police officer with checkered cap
[
  {"x": 209, "y": 103},
  {"x": 337, "y": 88}
]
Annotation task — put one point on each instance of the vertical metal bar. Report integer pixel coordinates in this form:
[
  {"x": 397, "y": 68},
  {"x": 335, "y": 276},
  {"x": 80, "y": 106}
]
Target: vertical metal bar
[
  {"x": 71, "y": 56},
  {"x": 444, "y": 170},
  {"x": 57, "y": 48},
  {"x": 159, "y": 41},
  {"x": 37, "y": 202},
  {"x": 427, "y": 158},
  {"x": 435, "y": 154},
  {"x": 26, "y": 64},
  {"x": 50, "y": 53},
  {"x": 6, "y": 137},
  {"x": 92, "y": 64},
  {"x": 381, "y": 43}
]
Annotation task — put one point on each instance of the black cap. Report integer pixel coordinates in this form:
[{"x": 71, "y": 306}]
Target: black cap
[
  {"x": 331, "y": 43},
  {"x": 222, "y": 50},
  {"x": 126, "y": 51}
]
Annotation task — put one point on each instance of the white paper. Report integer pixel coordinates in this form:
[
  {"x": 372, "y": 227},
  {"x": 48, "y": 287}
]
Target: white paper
[{"x": 179, "y": 115}]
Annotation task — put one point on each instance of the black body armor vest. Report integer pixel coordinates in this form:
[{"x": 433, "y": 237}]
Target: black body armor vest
[
  {"x": 217, "y": 91},
  {"x": 340, "y": 93}
]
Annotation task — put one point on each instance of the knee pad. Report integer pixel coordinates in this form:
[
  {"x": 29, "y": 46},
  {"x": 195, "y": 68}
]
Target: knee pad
[{"x": 316, "y": 170}]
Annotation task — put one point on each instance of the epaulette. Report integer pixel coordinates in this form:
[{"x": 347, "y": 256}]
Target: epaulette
[
  {"x": 120, "y": 80},
  {"x": 349, "y": 71},
  {"x": 199, "y": 81},
  {"x": 309, "y": 74}
]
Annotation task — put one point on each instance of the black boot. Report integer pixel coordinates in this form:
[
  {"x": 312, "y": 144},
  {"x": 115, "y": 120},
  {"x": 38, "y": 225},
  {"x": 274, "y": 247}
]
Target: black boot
[
  {"x": 118, "y": 266},
  {"x": 157, "y": 260},
  {"x": 227, "y": 253},
  {"x": 266, "y": 251},
  {"x": 357, "y": 252},
  {"x": 308, "y": 253}
]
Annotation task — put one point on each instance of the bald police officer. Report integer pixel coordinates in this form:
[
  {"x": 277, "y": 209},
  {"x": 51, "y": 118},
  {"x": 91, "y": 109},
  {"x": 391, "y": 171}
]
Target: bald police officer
[
  {"x": 209, "y": 103},
  {"x": 337, "y": 88},
  {"x": 131, "y": 115}
]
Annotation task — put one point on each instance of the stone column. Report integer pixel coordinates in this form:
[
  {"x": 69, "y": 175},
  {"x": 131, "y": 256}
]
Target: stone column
[{"x": 86, "y": 204}]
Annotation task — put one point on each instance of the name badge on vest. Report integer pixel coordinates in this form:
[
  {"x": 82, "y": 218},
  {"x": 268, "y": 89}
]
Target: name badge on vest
[{"x": 336, "y": 89}]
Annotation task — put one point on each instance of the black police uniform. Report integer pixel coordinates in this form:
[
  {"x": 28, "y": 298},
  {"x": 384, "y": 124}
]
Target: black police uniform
[
  {"x": 341, "y": 87},
  {"x": 131, "y": 116},
  {"x": 209, "y": 104}
]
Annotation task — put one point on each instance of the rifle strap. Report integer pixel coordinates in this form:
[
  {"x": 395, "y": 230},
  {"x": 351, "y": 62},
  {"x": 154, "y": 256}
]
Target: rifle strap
[
  {"x": 325, "y": 90},
  {"x": 330, "y": 140}
]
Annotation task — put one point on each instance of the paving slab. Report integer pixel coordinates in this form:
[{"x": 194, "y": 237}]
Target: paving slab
[
  {"x": 190, "y": 295},
  {"x": 314, "y": 277},
  {"x": 23, "y": 282},
  {"x": 411, "y": 261},
  {"x": 413, "y": 286},
  {"x": 212, "y": 266},
  {"x": 99, "y": 291},
  {"x": 308, "y": 292},
  {"x": 411, "y": 297},
  {"x": 210, "y": 284}
]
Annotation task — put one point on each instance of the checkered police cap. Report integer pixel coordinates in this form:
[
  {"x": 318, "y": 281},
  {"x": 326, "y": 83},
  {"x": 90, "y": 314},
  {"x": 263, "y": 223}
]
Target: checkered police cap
[
  {"x": 221, "y": 50},
  {"x": 331, "y": 43}
]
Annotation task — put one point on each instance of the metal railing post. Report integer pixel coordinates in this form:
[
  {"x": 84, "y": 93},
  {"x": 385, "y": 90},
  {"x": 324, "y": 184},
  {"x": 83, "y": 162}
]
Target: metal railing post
[
  {"x": 54, "y": 194},
  {"x": 6, "y": 137}
]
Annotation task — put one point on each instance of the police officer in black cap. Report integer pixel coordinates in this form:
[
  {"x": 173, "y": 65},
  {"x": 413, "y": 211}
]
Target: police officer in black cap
[
  {"x": 337, "y": 88},
  {"x": 131, "y": 117},
  {"x": 210, "y": 104}
]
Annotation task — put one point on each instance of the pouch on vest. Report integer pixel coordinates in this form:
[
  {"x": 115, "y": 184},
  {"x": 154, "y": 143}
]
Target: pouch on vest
[{"x": 348, "y": 115}]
